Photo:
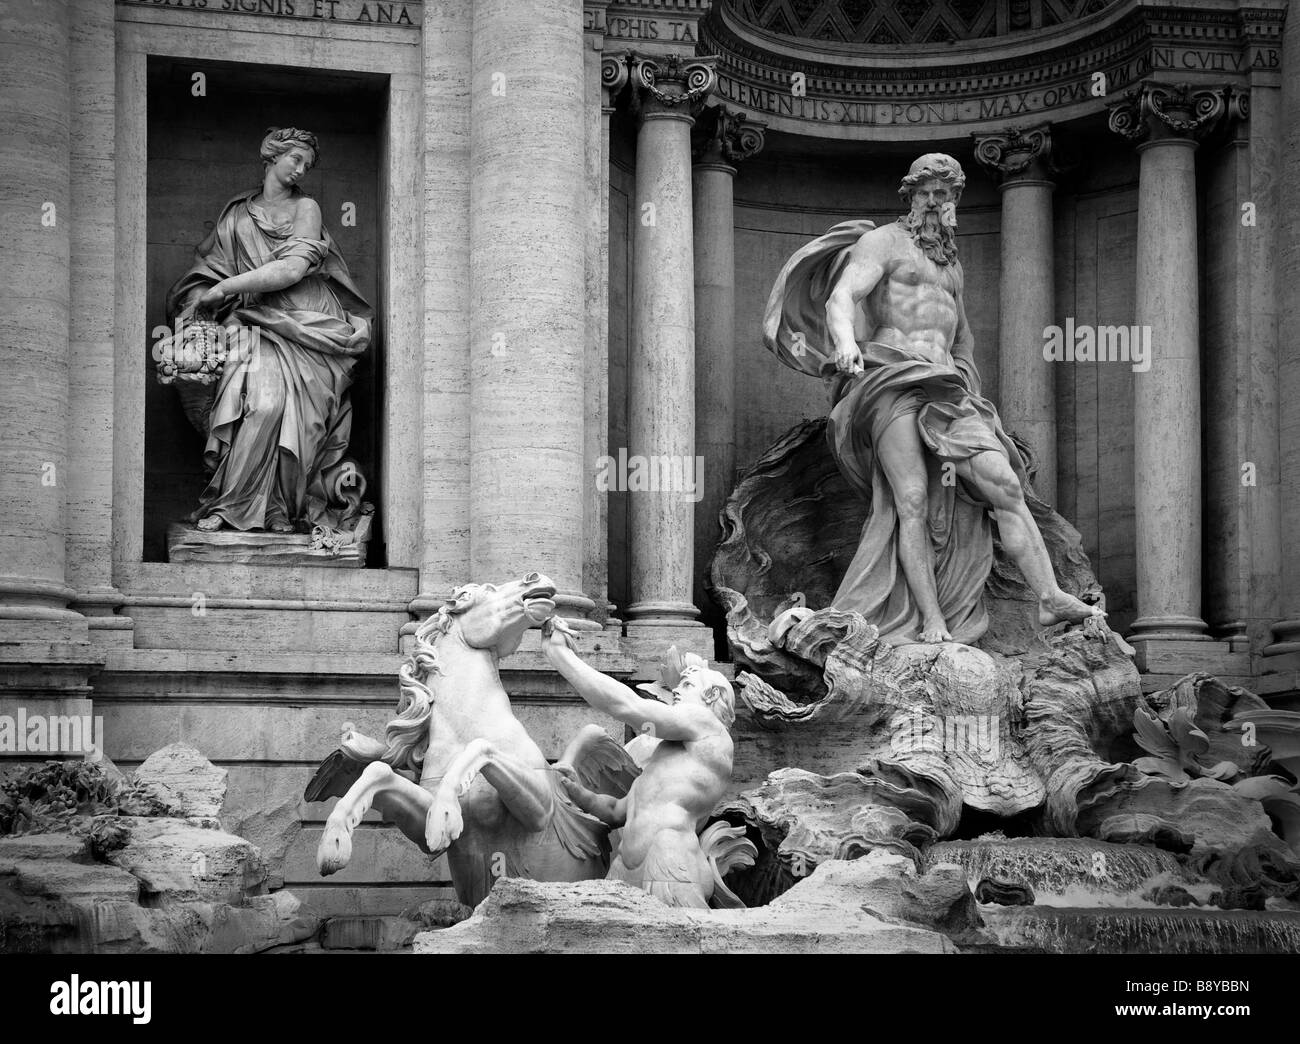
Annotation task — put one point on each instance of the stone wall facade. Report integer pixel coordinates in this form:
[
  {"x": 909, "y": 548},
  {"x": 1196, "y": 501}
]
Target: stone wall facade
[{"x": 534, "y": 318}]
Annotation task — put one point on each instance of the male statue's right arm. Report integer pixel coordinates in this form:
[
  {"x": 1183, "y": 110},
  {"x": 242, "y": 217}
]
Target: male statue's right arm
[{"x": 858, "y": 279}]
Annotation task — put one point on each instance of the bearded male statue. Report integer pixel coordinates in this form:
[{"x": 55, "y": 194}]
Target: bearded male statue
[{"x": 879, "y": 313}]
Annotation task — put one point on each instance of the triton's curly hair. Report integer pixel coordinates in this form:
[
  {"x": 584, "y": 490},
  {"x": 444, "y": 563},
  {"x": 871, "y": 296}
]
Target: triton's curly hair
[
  {"x": 933, "y": 165},
  {"x": 280, "y": 140},
  {"x": 718, "y": 694}
]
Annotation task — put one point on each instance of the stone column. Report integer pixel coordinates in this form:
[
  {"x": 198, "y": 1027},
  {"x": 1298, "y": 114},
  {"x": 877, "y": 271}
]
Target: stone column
[
  {"x": 527, "y": 325},
  {"x": 1026, "y": 381},
  {"x": 1165, "y": 123},
  {"x": 45, "y": 650},
  {"x": 93, "y": 277},
  {"x": 726, "y": 139},
  {"x": 445, "y": 404},
  {"x": 661, "y": 378},
  {"x": 606, "y": 75},
  {"x": 1229, "y": 398},
  {"x": 1286, "y": 631},
  {"x": 36, "y": 214}
]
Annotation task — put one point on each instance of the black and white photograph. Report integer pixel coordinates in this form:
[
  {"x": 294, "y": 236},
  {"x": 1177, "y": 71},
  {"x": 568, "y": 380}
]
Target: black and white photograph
[{"x": 650, "y": 477}]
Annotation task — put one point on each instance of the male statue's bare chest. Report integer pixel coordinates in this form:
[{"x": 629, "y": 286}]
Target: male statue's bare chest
[{"x": 915, "y": 270}]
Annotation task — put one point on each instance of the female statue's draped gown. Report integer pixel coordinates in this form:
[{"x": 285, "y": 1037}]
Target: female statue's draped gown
[{"x": 281, "y": 418}]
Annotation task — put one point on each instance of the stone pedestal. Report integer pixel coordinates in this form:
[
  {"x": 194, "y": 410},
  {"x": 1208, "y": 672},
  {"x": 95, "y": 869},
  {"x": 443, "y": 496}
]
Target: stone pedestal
[
  {"x": 1026, "y": 381},
  {"x": 661, "y": 376},
  {"x": 1165, "y": 124},
  {"x": 343, "y": 550}
]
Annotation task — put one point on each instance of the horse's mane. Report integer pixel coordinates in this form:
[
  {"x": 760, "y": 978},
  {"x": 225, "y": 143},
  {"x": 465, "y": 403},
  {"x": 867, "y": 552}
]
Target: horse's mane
[{"x": 407, "y": 735}]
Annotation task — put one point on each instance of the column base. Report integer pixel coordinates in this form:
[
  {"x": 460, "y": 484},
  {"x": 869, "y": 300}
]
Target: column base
[
  {"x": 35, "y": 611},
  {"x": 662, "y": 613},
  {"x": 1171, "y": 628},
  {"x": 1286, "y": 638}
]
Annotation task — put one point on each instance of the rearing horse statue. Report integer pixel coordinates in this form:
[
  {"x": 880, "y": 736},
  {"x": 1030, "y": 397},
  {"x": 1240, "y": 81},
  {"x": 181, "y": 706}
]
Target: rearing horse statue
[{"x": 485, "y": 794}]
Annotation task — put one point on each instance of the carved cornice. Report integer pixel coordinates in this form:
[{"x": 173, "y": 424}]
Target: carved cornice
[
  {"x": 838, "y": 89},
  {"x": 727, "y": 137},
  {"x": 1158, "y": 111},
  {"x": 670, "y": 83},
  {"x": 1017, "y": 152}
]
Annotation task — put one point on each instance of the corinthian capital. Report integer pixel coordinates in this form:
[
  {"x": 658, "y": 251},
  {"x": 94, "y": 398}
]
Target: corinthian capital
[
  {"x": 671, "y": 83},
  {"x": 1016, "y": 153},
  {"x": 727, "y": 137},
  {"x": 1160, "y": 110}
]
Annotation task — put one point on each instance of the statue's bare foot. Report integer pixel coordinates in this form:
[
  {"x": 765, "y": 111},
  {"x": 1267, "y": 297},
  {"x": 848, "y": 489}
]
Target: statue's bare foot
[
  {"x": 1059, "y": 607},
  {"x": 280, "y": 527},
  {"x": 935, "y": 631},
  {"x": 209, "y": 524},
  {"x": 335, "y": 848},
  {"x": 443, "y": 824}
]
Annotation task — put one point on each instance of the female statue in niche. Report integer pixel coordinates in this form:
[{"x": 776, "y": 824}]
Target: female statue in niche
[{"x": 281, "y": 417}]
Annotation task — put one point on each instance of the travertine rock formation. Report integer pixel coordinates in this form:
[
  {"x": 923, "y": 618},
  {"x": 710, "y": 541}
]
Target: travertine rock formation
[
  {"x": 89, "y": 875},
  {"x": 863, "y": 906},
  {"x": 185, "y": 780}
]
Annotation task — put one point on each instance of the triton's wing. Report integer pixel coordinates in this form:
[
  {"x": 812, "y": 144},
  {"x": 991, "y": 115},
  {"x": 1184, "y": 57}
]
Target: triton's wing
[
  {"x": 794, "y": 324},
  {"x": 601, "y": 764},
  {"x": 336, "y": 774}
]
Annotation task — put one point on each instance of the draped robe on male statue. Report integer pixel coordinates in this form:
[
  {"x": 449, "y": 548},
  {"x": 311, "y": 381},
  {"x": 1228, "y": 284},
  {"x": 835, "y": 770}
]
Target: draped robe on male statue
[
  {"x": 282, "y": 418},
  {"x": 954, "y": 422}
]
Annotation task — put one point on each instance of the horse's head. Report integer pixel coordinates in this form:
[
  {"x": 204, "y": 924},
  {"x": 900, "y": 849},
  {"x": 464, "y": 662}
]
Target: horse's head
[{"x": 495, "y": 616}]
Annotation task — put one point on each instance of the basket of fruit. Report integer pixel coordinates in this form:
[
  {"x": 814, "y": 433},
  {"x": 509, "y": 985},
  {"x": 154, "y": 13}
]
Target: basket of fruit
[
  {"x": 192, "y": 359},
  {"x": 195, "y": 352}
]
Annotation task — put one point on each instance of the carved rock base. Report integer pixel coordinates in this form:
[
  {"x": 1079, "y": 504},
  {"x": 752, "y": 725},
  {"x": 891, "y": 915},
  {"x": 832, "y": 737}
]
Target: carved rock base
[{"x": 522, "y": 916}]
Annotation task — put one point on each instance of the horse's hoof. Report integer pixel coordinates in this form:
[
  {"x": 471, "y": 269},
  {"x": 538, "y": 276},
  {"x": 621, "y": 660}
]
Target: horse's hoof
[
  {"x": 443, "y": 826},
  {"x": 334, "y": 850}
]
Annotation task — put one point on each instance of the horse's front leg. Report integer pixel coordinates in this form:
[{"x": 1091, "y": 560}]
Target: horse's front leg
[
  {"x": 524, "y": 790},
  {"x": 395, "y": 797}
]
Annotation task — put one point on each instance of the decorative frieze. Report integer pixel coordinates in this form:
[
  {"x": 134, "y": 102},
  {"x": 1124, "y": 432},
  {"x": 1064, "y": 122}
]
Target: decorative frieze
[{"x": 859, "y": 90}]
